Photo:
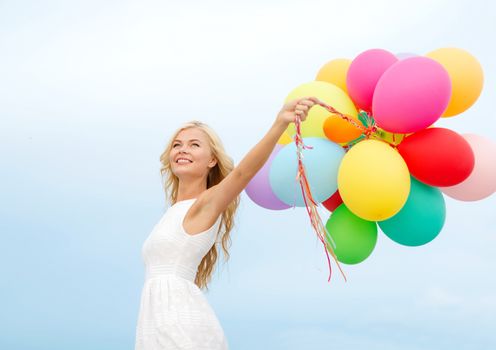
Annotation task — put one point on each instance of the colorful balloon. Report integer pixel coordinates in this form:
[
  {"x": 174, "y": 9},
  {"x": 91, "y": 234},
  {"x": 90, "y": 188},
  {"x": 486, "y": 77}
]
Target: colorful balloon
[
  {"x": 481, "y": 182},
  {"x": 364, "y": 73},
  {"x": 467, "y": 78},
  {"x": 373, "y": 180},
  {"x": 333, "y": 201},
  {"x": 284, "y": 139},
  {"x": 339, "y": 130},
  {"x": 391, "y": 138},
  {"x": 326, "y": 92},
  {"x": 259, "y": 190},
  {"x": 411, "y": 95},
  {"x": 321, "y": 165},
  {"x": 421, "y": 218},
  {"x": 354, "y": 237},
  {"x": 438, "y": 156},
  {"x": 404, "y": 55},
  {"x": 334, "y": 72}
]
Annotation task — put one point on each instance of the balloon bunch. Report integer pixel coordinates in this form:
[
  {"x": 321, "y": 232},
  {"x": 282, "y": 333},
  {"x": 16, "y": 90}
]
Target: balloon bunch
[{"x": 371, "y": 155}]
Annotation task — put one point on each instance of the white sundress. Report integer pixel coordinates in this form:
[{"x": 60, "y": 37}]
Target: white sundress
[{"x": 174, "y": 313}]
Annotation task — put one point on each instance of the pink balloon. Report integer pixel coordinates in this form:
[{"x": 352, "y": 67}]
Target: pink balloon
[
  {"x": 481, "y": 183},
  {"x": 259, "y": 190},
  {"x": 411, "y": 95},
  {"x": 364, "y": 73}
]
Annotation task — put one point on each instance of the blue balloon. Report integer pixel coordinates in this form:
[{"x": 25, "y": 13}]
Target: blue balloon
[{"x": 321, "y": 165}]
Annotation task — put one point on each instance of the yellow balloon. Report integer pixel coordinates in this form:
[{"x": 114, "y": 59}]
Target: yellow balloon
[
  {"x": 373, "y": 180},
  {"x": 284, "y": 139},
  {"x": 466, "y": 76},
  {"x": 335, "y": 72},
  {"x": 326, "y": 92},
  {"x": 390, "y": 137}
]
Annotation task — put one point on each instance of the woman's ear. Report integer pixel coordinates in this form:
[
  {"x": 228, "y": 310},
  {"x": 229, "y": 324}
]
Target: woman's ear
[{"x": 212, "y": 163}]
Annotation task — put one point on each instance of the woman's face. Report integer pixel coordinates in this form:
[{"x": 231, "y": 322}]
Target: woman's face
[{"x": 192, "y": 146}]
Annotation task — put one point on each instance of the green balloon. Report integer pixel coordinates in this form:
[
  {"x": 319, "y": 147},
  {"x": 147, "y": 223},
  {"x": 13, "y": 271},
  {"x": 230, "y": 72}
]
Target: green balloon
[
  {"x": 355, "y": 238},
  {"x": 421, "y": 218}
]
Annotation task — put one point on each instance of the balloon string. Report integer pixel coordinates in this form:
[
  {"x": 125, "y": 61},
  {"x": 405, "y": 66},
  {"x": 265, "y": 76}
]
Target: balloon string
[
  {"x": 364, "y": 128},
  {"x": 368, "y": 127},
  {"x": 311, "y": 204}
]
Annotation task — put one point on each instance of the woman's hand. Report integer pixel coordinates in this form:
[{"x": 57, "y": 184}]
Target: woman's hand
[{"x": 299, "y": 106}]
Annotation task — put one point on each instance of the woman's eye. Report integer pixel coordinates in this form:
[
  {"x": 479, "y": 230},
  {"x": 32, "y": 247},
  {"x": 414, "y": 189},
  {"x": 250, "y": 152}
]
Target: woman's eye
[{"x": 177, "y": 144}]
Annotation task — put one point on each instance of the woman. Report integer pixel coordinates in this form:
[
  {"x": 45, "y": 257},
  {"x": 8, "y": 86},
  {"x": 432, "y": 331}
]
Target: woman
[{"x": 180, "y": 253}]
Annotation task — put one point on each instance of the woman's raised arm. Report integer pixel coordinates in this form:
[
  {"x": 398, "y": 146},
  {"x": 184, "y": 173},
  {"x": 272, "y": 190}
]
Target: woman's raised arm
[{"x": 223, "y": 193}]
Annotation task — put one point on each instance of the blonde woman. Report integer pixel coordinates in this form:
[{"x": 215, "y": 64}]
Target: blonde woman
[{"x": 203, "y": 187}]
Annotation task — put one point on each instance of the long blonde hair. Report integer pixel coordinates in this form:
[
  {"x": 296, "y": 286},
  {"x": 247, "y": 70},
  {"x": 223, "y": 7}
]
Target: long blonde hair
[{"x": 223, "y": 167}]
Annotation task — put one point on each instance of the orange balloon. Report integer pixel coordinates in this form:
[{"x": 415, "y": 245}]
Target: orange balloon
[
  {"x": 467, "y": 78},
  {"x": 339, "y": 130}
]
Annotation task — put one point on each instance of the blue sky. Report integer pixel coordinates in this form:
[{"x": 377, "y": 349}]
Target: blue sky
[{"x": 90, "y": 91}]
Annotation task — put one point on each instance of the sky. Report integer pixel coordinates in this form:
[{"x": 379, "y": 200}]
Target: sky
[{"x": 90, "y": 92}]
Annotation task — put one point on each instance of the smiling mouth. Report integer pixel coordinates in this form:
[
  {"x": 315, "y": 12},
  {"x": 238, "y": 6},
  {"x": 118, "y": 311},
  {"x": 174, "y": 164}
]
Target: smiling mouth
[{"x": 183, "y": 161}]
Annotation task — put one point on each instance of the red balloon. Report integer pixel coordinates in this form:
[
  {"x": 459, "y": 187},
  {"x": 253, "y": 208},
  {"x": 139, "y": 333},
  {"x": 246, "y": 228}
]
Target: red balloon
[
  {"x": 333, "y": 201},
  {"x": 438, "y": 156}
]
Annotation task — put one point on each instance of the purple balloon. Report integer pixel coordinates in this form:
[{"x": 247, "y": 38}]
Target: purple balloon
[
  {"x": 403, "y": 55},
  {"x": 259, "y": 190}
]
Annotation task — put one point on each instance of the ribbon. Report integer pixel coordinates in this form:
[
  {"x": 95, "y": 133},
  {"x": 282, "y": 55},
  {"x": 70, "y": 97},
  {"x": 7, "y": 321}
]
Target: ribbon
[
  {"x": 310, "y": 203},
  {"x": 369, "y": 130}
]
